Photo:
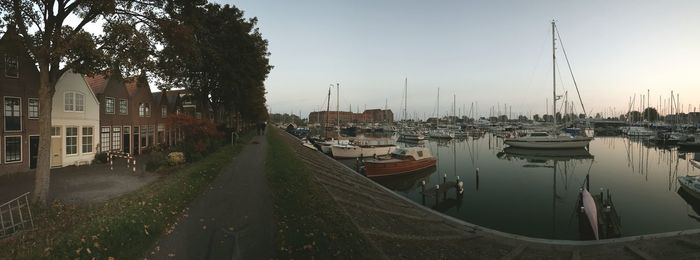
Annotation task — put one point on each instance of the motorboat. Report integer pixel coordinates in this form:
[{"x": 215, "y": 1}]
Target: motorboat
[
  {"x": 691, "y": 184},
  {"x": 401, "y": 161}
]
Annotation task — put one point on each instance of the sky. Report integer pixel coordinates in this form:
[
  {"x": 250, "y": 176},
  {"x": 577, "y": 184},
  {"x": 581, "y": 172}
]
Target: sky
[{"x": 494, "y": 53}]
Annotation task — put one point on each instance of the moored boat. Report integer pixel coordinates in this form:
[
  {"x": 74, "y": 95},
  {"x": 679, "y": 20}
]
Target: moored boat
[
  {"x": 542, "y": 140},
  {"x": 402, "y": 161},
  {"x": 359, "y": 151},
  {"x": 691, "y": 184}
]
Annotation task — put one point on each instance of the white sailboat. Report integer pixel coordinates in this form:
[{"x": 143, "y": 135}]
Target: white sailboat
[{"x": 543, "y": 140}]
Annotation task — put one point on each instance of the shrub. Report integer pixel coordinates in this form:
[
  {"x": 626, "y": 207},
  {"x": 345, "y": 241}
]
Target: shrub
[
  {"x": 155, "y": 161},
  {"x": 100, "y": 157},
  {"x": 201, "y": 137},
  {"x": 176, "y": 158}
]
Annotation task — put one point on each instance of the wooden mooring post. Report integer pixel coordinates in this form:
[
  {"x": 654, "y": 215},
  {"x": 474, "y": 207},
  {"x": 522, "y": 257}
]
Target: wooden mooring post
[{"x": 457, "y": 185}]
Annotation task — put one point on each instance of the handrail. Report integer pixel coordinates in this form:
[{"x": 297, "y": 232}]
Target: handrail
[{"x": 12, "y": 200}]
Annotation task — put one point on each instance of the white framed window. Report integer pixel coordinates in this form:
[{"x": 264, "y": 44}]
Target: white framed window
[
  {"x": 79, "y": 102},
  {"x": 71, "y": 140},
  {"x": 148, "y": 109},
  {"x": 11, "y": 66},
  {"x": 104, "y": 139},
  {"x": 13, "y": 114},
  {"x": 33, "y": 108},
  {"x": 74, "y": 102},
  {"x": 123, "y": 107},
  {"x": 109, "y": 105},
  {"x": 68, "y": 101},
  {"x": 142, "y": 110},
  {"x": 87, "y": 139},
  {"x": 13, "y": 149},
  {"x": 55, "y": 131},
  {"x": 163, "y": 111},
  {"x": 144, "y": 136},
  {"x": 116, "y": 138}
]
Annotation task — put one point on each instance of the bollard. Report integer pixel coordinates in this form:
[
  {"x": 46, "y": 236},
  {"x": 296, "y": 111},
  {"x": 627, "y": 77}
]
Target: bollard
[
  {"x": 477, "y": 170},
  {"x": 444, "y": 178},
  {"x": 437, "y": 194},
  {"x": 128, "y": 161},
  {"x": 422, "y": 187}
]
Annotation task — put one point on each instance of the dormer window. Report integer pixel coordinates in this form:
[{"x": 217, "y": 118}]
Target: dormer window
[
  {"x": 74, "y": 102},
  {"x": 11, "y": 66},
  {"x": 109, "y": 105}
]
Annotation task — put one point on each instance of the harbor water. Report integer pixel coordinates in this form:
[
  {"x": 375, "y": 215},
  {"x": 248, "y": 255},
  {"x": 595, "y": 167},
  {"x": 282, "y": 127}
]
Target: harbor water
[{"x": 536, "y": 193}]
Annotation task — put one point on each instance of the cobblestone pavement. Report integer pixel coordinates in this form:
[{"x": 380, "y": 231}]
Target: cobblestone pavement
[
  {"x": 401, "y": 229},
  {"x": 81, "y": 184}
]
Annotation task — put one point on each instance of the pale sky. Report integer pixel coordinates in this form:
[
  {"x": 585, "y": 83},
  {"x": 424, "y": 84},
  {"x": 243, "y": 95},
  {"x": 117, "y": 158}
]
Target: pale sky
[{"x": 490, "y": 52}]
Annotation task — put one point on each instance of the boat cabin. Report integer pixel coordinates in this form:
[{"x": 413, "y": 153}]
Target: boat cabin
[{"x": 417, "y": 153}]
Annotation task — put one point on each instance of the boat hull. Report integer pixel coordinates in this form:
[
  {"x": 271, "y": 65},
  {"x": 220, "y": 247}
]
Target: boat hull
[
  {"x": 690, "y": 184},
  {"x": 351, "y": 151},
  {"x": 544, "y": 143},
  {"x": 397, "y": 167}
]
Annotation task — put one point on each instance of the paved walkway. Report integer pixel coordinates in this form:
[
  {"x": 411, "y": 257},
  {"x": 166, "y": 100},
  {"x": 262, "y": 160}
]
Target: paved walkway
[
  {"x": 80, "y": 184},
  {"x": 232, "y": 220}
]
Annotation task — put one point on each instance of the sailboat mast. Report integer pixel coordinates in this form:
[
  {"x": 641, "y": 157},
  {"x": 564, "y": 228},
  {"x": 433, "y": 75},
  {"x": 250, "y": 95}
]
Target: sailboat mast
[
  {"x": 554, "y": 76},
  {"x": 328, "y": 108},
  {"x": 337, "y": 105},
  {"x": 405, "y": 99}
]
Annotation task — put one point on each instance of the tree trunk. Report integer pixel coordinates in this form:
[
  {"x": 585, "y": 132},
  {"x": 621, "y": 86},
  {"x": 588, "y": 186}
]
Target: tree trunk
[{"x": 42, "y": 178}]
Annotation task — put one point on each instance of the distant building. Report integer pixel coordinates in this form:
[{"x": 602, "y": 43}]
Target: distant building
[{"x": 368, "y": 116}]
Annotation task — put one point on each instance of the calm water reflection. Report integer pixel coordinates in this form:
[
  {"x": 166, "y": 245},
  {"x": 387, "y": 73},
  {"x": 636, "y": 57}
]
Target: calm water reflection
[{"x": 536, "y": 193}]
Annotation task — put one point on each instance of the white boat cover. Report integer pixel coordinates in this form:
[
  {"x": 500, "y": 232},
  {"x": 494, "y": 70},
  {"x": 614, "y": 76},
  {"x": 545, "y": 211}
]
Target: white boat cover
[{"x": 591, "y": 211}]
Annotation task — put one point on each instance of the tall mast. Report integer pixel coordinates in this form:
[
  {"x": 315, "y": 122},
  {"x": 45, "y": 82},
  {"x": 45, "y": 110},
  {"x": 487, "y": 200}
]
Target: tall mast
[
  {"x": 328, "y": 108},
  {"x": 337, "y": 106},
  {"x": 554, "y": 76},
  {"x": 405, "y": 99}
]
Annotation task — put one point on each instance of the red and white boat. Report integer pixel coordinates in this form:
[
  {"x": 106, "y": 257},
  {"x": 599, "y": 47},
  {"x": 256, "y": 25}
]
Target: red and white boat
[{"x": 402, "y": 161}]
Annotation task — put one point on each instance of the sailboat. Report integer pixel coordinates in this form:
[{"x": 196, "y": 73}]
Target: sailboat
[
  {"x": 406, "y": 134},
  {"x": 554, "y": 140}
]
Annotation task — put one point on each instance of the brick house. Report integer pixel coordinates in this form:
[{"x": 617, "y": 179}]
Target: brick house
[
  {"x": 115, "y": 132},
  {"x": 144, "y": 117},
  {"x": 19, "y": 88}
]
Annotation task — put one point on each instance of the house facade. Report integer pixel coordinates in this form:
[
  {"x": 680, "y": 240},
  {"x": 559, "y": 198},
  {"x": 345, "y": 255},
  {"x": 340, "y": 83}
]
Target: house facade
[
  {"x": 75, "y": 121},
  {"x": 19, "y": 88},
  {"x": 115, "y": 131},
  {"x": 144, "y": 116}
]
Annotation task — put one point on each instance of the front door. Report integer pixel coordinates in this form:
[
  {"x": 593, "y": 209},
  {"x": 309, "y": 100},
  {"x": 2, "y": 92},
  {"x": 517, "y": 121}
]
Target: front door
[
  {"x": 56, "y": 152},
  {"x": 125, "y": 138},
  {"x": 135, "y": 136},
  {"x": 33, "y": 151}
]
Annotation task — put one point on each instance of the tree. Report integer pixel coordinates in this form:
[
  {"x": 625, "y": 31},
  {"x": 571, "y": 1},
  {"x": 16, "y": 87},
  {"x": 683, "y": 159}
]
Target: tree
[
  {"x": 218, "y": 55},
  {"x": 58, "y": 46},
  {"x": 536, "y": 117},
  {"x": 634, "y": 116},
  {"x": 650, "y": 114}
]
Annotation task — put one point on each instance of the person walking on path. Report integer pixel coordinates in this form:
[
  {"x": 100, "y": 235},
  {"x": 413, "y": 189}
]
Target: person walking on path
[{"x": 233, "y": 219}]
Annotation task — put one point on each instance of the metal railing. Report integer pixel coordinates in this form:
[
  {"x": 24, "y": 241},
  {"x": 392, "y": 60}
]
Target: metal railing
[{"x": 15, "y": 216}]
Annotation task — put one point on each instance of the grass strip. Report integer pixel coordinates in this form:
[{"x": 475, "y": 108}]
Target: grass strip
[
  {"x": 123, "y": 227},
  {"x": 310, "y": 224}
]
